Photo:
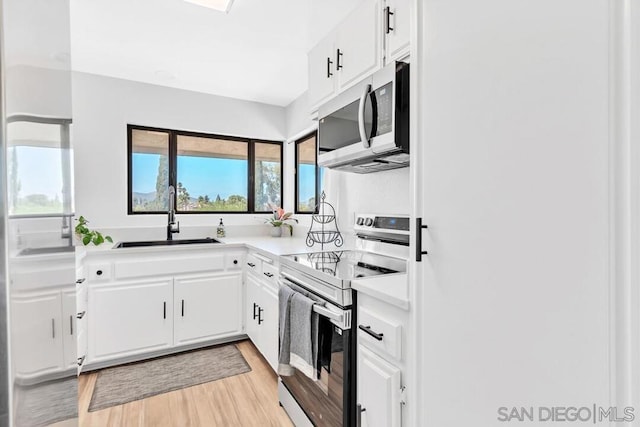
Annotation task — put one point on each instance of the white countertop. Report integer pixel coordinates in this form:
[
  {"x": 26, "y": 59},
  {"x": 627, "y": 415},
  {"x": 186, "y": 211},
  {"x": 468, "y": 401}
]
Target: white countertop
[{"x": 390, "y": 288}]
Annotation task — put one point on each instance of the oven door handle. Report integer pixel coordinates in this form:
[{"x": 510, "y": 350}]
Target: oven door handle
[{"x": 321, "y": 310}]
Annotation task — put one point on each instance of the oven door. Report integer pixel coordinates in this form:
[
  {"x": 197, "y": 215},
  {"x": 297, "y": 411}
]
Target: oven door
[{"x": 330, "y": 400}]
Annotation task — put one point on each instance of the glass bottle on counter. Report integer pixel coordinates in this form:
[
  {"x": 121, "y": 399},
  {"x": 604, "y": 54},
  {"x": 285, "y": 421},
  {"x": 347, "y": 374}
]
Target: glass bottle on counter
[{"x": 220, "y": 230}]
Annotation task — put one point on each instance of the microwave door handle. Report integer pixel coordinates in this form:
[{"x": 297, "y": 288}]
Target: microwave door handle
[{"x": 363, "y": 101}]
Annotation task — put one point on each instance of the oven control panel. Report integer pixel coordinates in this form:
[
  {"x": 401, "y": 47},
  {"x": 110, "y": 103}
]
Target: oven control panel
[{"x": 397, "y": 224}]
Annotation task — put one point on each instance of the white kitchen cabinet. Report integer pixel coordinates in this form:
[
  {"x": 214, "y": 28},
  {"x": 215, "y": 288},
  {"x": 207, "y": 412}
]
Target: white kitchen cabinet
[
  {"x": 358, "y": 44},
  {"x": 130, "y": 317},
  {"x": 253, "y": 290},
  {"x": 36, "y": 321},
  {"x": 69, "y": 328},
  {"x": 270, "y": 324},
  {"x": 397, "y": 29},
  {"x": 262, "y": 306},
  {"x": 379, "y": 393},
  {"x": 376, "y": 33},
  {"x": 322, "y": 72},
  {"x": 207, "y": 307}
]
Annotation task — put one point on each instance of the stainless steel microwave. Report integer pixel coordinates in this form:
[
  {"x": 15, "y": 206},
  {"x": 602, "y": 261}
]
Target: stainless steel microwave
[{"x": 366, "y": 128}]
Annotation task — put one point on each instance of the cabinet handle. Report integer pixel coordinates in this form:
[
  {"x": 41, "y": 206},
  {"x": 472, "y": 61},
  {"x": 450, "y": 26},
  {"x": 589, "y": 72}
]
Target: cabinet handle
[
  {"x": 250, "y": 264},
  {"x": 254, "y": 311},
  {"x": 338, "y": 56},
  {"x": 269, "y": 275},
  {"x": 359, "y": 411},
  {"x": 260, "y": 319},
  {"x": 419, "y": 228},
  {"x": 329, "y": 73},
  {"x": 368, "y": 330},
  {"x": 182, "y": 308},
  {"x": 53, "y": 328},
  {"x": 81, "y": 360},
  {"x": 164, "y": 310},
  {"x": 80, "y": 281},
  {"x": 81, "y": 315},
  {"x": 388, "y": 15},
  {"x": 71, "y": 325}
]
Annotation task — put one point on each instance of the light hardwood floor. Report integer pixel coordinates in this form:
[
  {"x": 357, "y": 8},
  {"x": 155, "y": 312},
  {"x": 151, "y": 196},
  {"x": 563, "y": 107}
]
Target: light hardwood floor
[{"x": 249, "y": 399}]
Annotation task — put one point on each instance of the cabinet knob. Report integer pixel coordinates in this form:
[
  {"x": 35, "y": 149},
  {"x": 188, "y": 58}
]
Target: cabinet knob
[
  {"x": 99, "y": 273},
  {"x": 235, "y": 262}
]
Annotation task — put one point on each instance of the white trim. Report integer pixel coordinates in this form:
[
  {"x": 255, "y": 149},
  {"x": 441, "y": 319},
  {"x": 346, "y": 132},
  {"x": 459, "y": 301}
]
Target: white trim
[
  {"x": 624, "y": 203},
  {"x": 416, "y": 342}
]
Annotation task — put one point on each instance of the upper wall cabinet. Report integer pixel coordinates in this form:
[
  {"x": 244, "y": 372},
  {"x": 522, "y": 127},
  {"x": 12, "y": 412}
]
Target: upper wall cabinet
[
  {"x": 374, "y": 34},
  {"x": 358, "y": 44},
  {"x": 396, "y": 21}
]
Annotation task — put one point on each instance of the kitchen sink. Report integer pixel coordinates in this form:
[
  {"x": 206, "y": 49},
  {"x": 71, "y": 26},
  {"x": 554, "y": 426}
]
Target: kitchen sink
[
  {"x": 165, "y": 243},
  {"x": 46, "y": 250}
]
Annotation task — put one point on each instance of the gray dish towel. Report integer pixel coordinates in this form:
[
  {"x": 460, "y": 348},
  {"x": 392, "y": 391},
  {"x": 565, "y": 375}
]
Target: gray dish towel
[
  {"x": 302, "y": 354},
  {"x": 315, "y": 318},
  {"x": 285, "y": 294}
]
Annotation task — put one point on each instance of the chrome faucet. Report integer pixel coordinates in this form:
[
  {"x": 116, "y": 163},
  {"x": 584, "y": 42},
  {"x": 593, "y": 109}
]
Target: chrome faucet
[{"x": 173, "y": 226}]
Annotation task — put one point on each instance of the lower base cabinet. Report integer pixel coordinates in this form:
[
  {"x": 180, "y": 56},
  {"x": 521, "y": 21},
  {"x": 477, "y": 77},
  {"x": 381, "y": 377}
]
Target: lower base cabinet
[
  {"x": 129, "y": 318},
  {"x": 44, "y": 329},
  {"x": 262, "y": 319},
  {"x": 207, "y": 307},
  {"x": 379, "y": 397},
  {"x": 36, "y": 321}
]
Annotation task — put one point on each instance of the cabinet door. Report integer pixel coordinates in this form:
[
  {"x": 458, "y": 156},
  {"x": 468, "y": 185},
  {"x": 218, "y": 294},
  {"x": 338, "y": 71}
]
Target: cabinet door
[
  {"x": 378, "y": 390},
  {"x": 359, "y": 40},
  {"x": 130, "y": 318},
  {"x": 70, "y": 328},
  {"x": 251, "y": 309},
  {"x": 207, "y": 307},
  {"x": 396, "y": 21},
  {"x": 268, "y": 327},
  {"x": 322, "y": 72},
  {"x": 37, "y": 334}
]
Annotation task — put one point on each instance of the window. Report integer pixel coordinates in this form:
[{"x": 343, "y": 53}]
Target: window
[
  {"x": 307, "y": 182},
  {"x": 42, "y": 145},
  {"x": 211, "y": 173}
]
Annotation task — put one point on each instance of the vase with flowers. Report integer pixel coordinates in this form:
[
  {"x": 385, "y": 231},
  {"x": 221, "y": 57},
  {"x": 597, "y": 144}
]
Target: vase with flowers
[{"x": 280, "y": 219}]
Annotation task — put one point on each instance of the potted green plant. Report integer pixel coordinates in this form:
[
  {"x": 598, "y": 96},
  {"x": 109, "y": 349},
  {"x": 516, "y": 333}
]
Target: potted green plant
[
  {"x": 279, "y": 219},
  {"x": 87, "y": 235}
]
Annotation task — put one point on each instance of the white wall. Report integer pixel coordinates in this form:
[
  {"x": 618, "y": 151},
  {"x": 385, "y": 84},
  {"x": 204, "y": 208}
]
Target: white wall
[
  {"x": 102, "y": 108},
  {"x": 514, "y": 185}
]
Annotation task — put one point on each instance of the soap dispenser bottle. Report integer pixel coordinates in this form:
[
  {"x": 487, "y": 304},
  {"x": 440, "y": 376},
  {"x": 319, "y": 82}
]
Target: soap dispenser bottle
[{"x": 220, "y": 229}]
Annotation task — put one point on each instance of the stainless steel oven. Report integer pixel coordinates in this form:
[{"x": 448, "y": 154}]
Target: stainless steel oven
[
  {"x": 328, "y": 396},
  {"x": 329, "y": 400}
]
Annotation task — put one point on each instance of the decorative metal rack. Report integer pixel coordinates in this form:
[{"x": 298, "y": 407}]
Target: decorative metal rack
[{"x": 324, "y": 228}]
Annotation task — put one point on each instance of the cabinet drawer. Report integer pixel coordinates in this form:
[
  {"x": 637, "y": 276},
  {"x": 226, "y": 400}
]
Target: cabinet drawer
[
  {"x": 254, "y": 264},
  {"x": 380, "y": 334},
  {"x": 270, "y": 273}
]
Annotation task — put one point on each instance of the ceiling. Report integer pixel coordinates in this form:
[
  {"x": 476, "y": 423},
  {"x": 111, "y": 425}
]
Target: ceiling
[{"x": 258, "y": 51}]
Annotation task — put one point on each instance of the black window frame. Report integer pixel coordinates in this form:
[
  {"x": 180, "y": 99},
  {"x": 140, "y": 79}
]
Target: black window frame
[
  {"x": 298, "y": 141},
  {"x": 173, "y": 160}
]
